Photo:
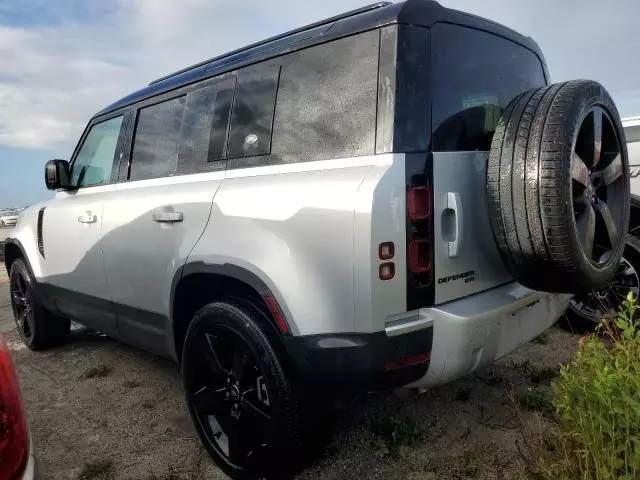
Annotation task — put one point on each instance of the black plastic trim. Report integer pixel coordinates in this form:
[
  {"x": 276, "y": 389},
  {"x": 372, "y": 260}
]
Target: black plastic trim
[
  {"x": 39, "y": 228},
  {"x": 232, "y": 271},
  {"x": 357, "y": 360}
]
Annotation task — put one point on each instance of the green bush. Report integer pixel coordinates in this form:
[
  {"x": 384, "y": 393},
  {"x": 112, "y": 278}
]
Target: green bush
[{"x": 597, "y": 401}]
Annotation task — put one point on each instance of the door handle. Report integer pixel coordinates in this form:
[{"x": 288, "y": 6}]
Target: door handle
[
  {"x": 167, "y": 217},
  {"x": 88, "y": 218},
  {"x": 454, "y": 204}
]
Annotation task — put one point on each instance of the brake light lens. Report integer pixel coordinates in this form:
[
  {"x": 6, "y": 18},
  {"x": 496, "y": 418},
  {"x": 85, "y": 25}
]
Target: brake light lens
[
  {"x": 419, "y": 256},
  {"x": 14, "y": 438},
  {"x": 419, "y": 203}
]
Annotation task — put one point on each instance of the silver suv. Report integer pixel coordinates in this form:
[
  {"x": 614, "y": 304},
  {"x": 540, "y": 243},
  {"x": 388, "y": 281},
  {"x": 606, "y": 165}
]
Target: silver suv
[{"x": 393, "y": 196}]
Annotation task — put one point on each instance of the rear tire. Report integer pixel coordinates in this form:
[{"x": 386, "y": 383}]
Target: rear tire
[
  {"x": 240, "y": 395},
  {"x": 38, "y": 328},
  {"x": 557, "y": 172}
]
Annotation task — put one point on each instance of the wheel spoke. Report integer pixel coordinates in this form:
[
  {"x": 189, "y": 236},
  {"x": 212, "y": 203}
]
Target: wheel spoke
[
  {"x": 238, "y": 451},
  {"x": 18, "y": 300},
  {"x": 579, "y": 171},
  {"x": 240, "y": 356},
  {"x": 586, "y": 225},
  {"x": 609, "y": 223},
  {"x": 252, "y": 410},
  {"x": 613, "y": 171},
  {"x": 20, "y": 285},
  {"x": 210, "y": 402},
  {"x": 211, "y": 357},
  {"x": 597, "y": 136}
]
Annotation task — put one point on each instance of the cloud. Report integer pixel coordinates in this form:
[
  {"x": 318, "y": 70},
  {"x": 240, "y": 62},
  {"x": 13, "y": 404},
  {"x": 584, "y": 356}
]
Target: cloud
[
  {"x": 62, "y": 61},
  {"x": 58, "y": 72}
]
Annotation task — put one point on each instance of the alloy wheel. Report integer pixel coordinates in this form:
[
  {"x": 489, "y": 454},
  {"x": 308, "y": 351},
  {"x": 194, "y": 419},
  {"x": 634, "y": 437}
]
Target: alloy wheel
[
  {"x": 229, "y": 398},
  {"x": 599, "y": 302},
  {"x": 22, "y": 304},
  {"x": 598, "y": 190}
]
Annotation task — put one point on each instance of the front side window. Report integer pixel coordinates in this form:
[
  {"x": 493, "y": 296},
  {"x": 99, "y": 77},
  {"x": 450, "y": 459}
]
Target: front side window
[
  {"x": 94, "y": 163},
  {"x": 476, "y": 74}
]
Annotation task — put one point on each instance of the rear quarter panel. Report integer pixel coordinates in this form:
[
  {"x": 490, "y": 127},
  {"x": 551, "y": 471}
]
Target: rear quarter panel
[{"x": 304, "y": 230}]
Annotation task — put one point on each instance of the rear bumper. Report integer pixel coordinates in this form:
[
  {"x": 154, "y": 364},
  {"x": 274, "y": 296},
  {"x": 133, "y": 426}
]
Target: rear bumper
[
  {"x": 439, "y": 344},
  {"x": 360, "y": 361},
  {"x": 473, "y": 332}
]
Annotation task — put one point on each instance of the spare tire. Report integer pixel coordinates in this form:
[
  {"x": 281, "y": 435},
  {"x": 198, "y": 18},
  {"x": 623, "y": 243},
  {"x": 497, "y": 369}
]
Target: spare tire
[{"x": 558, "y": 187}]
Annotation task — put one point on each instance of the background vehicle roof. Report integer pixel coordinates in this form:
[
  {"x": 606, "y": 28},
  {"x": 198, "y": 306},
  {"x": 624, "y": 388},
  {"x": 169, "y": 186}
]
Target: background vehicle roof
[{"x": 415, "y": 12}]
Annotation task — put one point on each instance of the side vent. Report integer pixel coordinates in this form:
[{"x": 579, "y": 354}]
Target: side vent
[{"x": 40, "y": 239}]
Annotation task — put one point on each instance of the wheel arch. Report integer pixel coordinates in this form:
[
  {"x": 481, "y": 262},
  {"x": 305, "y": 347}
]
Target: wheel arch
[
  {"x": 197, "y": 284},
  {"x": 14, "y": 250}
]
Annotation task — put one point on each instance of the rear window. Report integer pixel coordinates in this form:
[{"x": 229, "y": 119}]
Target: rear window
[{"x": 476, "y": 74}]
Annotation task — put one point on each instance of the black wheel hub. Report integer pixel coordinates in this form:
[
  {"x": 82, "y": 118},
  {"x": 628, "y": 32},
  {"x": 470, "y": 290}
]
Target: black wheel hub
[
  {"x": 229, "y": 399},
  {"x": 22, "y": 304},
  {"x": 597, "y": 184}
]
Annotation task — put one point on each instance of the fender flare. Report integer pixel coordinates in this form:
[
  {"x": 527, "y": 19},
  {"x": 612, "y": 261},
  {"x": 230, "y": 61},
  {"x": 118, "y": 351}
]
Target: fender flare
[
  {"x": 237, "y": 273},
  {"x": 16, "y": 242}
]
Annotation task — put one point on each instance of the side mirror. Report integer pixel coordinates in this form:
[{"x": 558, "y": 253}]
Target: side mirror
[{"x": 56, "y": 174}]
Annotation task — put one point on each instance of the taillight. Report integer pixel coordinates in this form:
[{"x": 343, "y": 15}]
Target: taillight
[
  {"x": 386, "y": 271},
  {"x": 419, "y": 256},
  {"x": 419, "y": 203},
  {"x": 14, "y": 438},
  {"x": 419, "y": 198}
]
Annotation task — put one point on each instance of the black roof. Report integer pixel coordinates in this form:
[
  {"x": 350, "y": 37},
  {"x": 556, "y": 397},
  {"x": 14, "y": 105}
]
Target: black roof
[{"x": 416, "y": 12}]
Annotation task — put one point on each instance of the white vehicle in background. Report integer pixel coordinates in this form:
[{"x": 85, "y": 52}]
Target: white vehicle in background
[
  {"x": 589, "y": 308},
  {"x": 9, "y": 217}
]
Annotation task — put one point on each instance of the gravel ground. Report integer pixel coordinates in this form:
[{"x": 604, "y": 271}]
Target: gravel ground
[{"x": 100, "y": 409}]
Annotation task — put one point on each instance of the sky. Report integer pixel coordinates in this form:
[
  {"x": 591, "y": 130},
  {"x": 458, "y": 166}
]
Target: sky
[{"x": 62, "y": 61}]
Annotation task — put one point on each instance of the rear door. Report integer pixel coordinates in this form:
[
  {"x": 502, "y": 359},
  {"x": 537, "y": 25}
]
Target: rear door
[
  {"x": 163, "y": 203},
  {"x": 476, "y": 74}
]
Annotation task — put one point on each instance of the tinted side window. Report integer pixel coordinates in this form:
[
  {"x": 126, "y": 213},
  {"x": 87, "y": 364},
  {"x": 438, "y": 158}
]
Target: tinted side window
[
  {"x": 252, "y": 116},
  {"x": 326, "y": 106},
  {"x": 155, "y": 143},
  {"x": 204, "y": 127},
  {"x": 94, "y": 163},
  {"x": 476, "y": 74}
]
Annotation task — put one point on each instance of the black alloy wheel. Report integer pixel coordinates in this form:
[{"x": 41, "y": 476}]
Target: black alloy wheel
[
  {"x": 38, "y": 328},
  {"x": 586, "y": 310},
  {"x": 598, "y": 188},
  {"x": 240, "y": 398},
  {"x": 22, "y": 303}
]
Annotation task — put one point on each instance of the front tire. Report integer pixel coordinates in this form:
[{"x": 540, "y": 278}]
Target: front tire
[
  {"x": 244, "y": 404},
  {"x": 38, "y": 328}
]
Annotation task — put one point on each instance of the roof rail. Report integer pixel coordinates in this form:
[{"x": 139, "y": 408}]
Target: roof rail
[{"x": 350, "y": 13}]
